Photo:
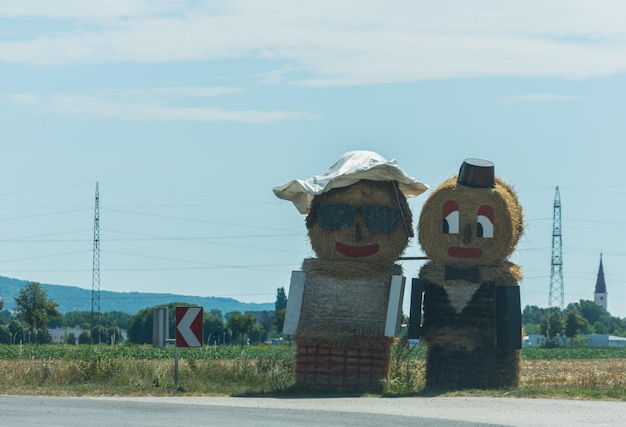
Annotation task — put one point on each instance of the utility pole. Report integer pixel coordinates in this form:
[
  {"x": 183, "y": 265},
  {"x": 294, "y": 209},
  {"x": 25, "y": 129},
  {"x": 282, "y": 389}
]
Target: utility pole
[
  {"x": 95, "y": 276},
  {"x": 556, "y": 298},
  {"x": 557, "y": 294}
]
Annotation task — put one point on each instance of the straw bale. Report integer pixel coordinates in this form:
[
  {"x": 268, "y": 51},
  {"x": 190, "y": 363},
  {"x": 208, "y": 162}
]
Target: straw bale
[
  {"x": 473, "y": 327},
  {"x": 343, "y": 368},
  {"x": 508, "y": 222},
  {"x": 344, "y": 308},
  {"x": 466, "y": 338},
  {"x": 340, "y": 335},
  {"x": 336, "y": 306},
  {"x": 363, "y": 193},
  {"x": 459, "y": 325},
  {"x": 349, "y": 269},
  {"x": 453, "y": 368},
  {"x": 502, "y": 273}
]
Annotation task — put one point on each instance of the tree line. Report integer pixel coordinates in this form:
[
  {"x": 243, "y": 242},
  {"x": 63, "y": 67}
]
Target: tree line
[
  {"x": 583, "y": 317},
  {"x": 233, "y": 327},
  {"x": 35, "y": 314}
]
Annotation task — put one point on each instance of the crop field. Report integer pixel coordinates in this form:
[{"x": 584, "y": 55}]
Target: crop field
[{"x": 578, "y": 373}]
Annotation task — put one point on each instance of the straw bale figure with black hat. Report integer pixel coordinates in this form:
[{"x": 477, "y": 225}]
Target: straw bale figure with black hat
[
  {"x": 468, "y": 228},
  {"x": 358, "y": 223}
]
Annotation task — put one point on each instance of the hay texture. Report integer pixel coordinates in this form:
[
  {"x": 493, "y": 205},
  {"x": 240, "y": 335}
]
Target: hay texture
[
  {"x": 508, "y": 223},
  {"x": 363, "y": 193},
  {"x": 468, "y": 261},
  {"x": 340, "y": 335},
  {"x": 362, "y": 367}
]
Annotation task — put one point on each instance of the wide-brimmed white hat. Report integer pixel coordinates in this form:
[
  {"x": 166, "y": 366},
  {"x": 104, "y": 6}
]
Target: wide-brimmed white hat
[{"x": 352, "y": 167}]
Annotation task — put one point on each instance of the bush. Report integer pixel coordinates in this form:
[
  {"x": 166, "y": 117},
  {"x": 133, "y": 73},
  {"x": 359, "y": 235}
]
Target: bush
[
  {"x": 44, "y": 337},
  {"x": 5, "y": 335},
  {"x": 71, "y": 338},
  {"x": 85, "y": 338}
]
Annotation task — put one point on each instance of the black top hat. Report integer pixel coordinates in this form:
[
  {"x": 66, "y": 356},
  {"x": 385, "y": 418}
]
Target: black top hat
[{"x": 477, "y": 173}]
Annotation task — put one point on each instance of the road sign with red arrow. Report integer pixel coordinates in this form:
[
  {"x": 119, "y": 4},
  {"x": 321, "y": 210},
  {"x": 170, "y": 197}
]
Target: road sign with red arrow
[{"x": 189, "y": 326}]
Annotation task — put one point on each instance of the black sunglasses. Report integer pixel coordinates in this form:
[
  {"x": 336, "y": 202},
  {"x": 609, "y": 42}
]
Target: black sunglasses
[{"x": 378, "y": 219}]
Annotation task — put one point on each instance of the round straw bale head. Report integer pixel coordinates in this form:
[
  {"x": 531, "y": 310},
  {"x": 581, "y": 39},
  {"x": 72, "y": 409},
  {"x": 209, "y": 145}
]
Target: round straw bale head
[
  {"x": 356, "y": 242},
  {"x": 468, "y": 226}
]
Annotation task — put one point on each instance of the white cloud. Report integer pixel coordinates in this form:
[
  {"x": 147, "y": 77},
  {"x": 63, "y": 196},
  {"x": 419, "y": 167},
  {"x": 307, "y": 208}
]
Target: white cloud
[
  {"x": 346, "y": 42},
  {"x": 94, "y": 10},
  {"x": 136, "y": 106}
]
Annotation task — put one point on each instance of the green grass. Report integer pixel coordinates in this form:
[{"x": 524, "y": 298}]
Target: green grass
[
  {"x": 70, "y": 352},
  {"x": 137, "y": 370},
  {"x": 578, "y": 373},
  {"x": 532, "y": 353}
]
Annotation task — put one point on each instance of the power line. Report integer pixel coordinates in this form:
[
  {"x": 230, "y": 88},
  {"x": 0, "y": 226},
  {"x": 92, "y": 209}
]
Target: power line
[
  {"x": 72, "y": 210},
  {"x": 204, "y": 221},
  {"x": 261, "y": 267},
  {"x": 45, "y": 256}
]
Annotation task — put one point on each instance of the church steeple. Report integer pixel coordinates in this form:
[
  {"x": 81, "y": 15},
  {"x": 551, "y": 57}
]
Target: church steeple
[{"x": 600, "y": 294}]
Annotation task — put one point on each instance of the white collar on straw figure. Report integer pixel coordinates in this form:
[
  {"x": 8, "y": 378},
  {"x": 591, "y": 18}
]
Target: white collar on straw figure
[{"x": 351, "y": 167}]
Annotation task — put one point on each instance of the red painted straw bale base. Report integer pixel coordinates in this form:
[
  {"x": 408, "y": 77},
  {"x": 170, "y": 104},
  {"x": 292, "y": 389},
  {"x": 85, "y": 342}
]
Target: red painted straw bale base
[{"x": 342, "y": 368}]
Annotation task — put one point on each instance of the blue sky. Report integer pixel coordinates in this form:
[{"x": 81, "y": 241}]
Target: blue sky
[{"x": 188, "y": 113}]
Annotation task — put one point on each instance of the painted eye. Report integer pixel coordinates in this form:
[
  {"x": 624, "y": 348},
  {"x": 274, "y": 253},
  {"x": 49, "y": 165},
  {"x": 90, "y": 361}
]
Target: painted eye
[
  {"x": 451, "y": 217},
  {"x": 484, "y": 227}
]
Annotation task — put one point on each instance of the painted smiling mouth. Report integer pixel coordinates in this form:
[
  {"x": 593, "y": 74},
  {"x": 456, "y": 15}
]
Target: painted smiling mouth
[
  {"x": 458, "y": 252},
  {"x": 357, "y": 251}
]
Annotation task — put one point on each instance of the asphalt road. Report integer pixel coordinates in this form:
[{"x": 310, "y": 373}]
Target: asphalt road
[{"x": 16, "y": 411}]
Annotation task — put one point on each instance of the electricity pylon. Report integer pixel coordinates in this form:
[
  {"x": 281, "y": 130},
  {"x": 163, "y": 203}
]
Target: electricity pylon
[{"x": 95, "y": 276}]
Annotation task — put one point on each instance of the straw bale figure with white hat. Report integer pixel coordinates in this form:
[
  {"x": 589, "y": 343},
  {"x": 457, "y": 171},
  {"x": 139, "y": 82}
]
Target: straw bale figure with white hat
[
  {"x": 358, "y": 223},
  {"x": 468, "y": 228}
]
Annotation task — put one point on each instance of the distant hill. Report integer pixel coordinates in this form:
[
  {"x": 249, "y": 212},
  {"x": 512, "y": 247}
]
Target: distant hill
[{"x": 73, "y": 298}]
